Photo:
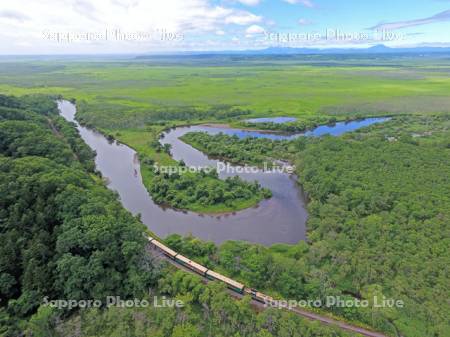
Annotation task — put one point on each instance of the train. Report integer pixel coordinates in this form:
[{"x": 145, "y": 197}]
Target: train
[{"x": 210, "y": 274}]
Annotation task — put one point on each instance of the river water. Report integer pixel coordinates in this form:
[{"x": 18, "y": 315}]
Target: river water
[{"x": 281, "y": 218}]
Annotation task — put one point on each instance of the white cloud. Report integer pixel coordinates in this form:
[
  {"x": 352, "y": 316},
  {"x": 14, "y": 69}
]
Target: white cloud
[
  {"x": 307, "y": 3},
  {"x": 23, "y": 22},
  {"x": 13, "y": 15},
  {"x": 254, "y": 29},
  {"x": 85, "y": 8},
  {"x": 243, "y": 18},
  {"x": 440, "y": 17},
  {"x": 220, "y": 32},
  {"x": 250, "y": 2}
]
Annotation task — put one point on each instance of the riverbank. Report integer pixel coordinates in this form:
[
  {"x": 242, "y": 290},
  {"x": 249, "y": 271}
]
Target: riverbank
[
  {"x": 145, "y": 143},
  {"x": 119, "y": 166}
]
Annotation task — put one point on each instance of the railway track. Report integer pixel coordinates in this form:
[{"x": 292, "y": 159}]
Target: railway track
[{"x": 259, "y": 299}]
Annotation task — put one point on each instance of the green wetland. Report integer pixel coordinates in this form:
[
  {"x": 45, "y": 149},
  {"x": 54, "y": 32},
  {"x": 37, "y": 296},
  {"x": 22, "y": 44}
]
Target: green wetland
[
  {"x": 285, "y": 206},
  {"x": 378, "y": 197}
]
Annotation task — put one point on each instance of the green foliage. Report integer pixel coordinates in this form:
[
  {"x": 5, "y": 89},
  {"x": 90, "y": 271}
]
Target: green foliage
[
  {"x": 380, "y": 215},
  {"x": 261, "y": 152},
  {"x": 378, "y": 222},
  {"x": 193, "y": 247},
  {"x": 63, "y": 235},
  {"x": 42, "y": 323},
  {"x": 232, "y": 148},
  {"x": 82, "y": 151},
  {"x": 22, "y": 138},
  {"x": 208, "y": 311},
  {"x": 379, "y": 210},
  {"x": 299, "y": 125},
  {"x": 128, "y": 93},
  {"x": 204, "y": 191},
  {"x": 158, "y": 114},
  {"x": 36, "y": 130},
  {"x": 41, "y": 104}
]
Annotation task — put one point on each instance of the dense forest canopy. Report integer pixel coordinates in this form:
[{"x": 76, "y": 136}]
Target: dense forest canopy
[
  {"x": 379, "y": 216},
  {"x": 205, "y": 191},
  {"x": 64, "y": 235}
]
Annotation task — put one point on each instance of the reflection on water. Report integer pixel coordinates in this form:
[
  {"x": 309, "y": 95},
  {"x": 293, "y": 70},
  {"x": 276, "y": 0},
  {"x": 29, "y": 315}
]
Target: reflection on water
[
  {"x": 275, "y": 120},
  {"x": 336, "y": 129},
  {"x": 343, "y": 127}
]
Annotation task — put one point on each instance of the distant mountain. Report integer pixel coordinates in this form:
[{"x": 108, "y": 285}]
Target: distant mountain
[{"x": 377, "y": 49}]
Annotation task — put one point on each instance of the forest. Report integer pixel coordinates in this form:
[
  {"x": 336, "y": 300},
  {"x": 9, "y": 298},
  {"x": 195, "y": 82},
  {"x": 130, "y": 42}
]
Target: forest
[
  {"x": 64, "y": 235},
  {"x": 252, "y": 151},
  {"x": 200, "y": 190},
  {"x": 299, "y": 125},
  {"x": 159, "y": 114},
  {"x": 204, "y": 191},
  {"x": 378, "y": 210},
  {"x": 379, "y": 213}
]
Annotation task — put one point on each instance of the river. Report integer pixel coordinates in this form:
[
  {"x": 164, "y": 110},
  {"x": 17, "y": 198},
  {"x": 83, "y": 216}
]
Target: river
[{"x": 280, "y": 219}]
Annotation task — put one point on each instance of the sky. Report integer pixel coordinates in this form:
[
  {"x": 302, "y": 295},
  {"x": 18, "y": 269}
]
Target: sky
[{"x": 151, "y": 26}]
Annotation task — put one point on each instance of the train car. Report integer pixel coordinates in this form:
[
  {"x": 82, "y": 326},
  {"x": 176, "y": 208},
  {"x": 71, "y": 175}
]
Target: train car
[
  {"x": 250, "y": 291},
  {"x": 166, "y": 250},
  {"x": 198, "y": 268},
  {"x": 258, "y": 296},
  {"x": 236, "y": 286}
]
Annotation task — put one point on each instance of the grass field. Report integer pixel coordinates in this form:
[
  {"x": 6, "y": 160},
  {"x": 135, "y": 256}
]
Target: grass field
[
  {"x": 135, "y": 100},
  {"x": 124, "y": 94}
]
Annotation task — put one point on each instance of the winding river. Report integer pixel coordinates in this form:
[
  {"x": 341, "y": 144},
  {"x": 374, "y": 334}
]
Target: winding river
[{"x": 281, "y": 218}]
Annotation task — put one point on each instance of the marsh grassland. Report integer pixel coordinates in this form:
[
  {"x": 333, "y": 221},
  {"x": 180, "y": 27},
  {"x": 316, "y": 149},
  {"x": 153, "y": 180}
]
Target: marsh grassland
[{"x": 379, "y": 197}]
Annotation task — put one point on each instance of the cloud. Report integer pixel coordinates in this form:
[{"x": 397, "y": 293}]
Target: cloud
[
  {"x": 242, "y": 18},
  {"x": 86, "y": 9},
  {"x": 27, "y": 22},
  {"x": 254, "y": 29},
  {"x": 250, "y": 2},
  {"x": 440, "y": 17},
  {"x": 13, "y": 15},
  {"x": 126, "y": 3},
  {"x": 304, "y": 22},
  {"x": 197, "y": 15},
  {"x": 306, "y": 3}
]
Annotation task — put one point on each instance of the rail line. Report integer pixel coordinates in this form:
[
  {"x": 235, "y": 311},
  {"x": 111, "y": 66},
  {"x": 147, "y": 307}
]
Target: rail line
[{"x": 258, "y": 297}]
